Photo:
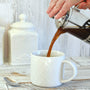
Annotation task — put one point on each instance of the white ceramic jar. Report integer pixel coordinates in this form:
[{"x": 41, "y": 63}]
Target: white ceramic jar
[{"x": 22, "y": 41}]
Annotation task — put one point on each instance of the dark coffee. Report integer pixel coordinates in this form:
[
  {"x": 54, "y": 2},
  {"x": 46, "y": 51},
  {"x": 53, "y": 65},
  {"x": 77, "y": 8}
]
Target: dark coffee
[
  {"x": 57, "y": 34},
  {"x": 83, "y": 34}
]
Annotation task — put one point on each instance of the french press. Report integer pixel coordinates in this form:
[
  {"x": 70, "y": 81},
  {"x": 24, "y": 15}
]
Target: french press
[{"x": 79, "y": 22}]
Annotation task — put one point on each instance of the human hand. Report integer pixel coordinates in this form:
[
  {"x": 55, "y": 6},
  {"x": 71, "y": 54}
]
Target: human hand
[
  {"x": 58, "y": 8},
  {"x": 84, "y": 5}
]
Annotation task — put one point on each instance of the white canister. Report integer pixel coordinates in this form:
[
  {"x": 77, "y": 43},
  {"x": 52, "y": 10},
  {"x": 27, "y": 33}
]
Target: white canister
[
  {"x": 2, "y": 30},
  {"x": 23, "y": 40}
]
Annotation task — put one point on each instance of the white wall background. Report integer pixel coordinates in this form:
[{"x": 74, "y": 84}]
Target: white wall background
[{"x": 36, "y": 13}]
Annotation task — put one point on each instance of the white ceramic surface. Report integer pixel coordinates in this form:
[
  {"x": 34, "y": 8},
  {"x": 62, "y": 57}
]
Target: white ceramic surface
[
  {"x": 48, "y": 71},
  {"x": 22, "y": 24}
]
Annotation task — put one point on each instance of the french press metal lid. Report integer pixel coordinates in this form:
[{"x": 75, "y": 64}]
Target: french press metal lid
[{"x": 73, "y": 18}]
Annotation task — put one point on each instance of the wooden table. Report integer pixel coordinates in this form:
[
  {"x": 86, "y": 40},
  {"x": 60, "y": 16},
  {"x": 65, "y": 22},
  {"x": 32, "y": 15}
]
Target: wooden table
[{"x": 21, "y": 73}]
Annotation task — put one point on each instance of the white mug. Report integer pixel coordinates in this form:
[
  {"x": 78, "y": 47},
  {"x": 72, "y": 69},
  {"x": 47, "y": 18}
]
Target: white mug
[{"x": 48, "y": 71}]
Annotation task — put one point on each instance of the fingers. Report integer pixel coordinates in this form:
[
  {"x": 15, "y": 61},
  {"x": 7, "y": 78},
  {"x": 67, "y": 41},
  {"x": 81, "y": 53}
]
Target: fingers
[
  {"x": 88, "y": 6},
  {"x": 63, "y": 10},
  {"x": 79, "y": 2},
  {"x": 82, "y": 5},
  {"x": 60, "y": 7},
  {"x": 51, "y": 5},
  {"x": 57, "y": 8}
]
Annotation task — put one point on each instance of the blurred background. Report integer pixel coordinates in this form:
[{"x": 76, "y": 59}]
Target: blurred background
[{"x": 35, "y": 11}]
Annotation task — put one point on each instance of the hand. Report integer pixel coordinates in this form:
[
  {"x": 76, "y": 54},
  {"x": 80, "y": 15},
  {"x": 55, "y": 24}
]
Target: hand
[
  {"x": 84, "y": 5},
  {"x": 58, "y": 8}
]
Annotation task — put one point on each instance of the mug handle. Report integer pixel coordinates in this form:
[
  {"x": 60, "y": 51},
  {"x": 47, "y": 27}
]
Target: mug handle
[{"x": 74, "y": 71}]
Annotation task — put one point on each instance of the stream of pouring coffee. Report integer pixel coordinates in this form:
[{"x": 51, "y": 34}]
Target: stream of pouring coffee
[
  {"x": 83, "y": 34},
  {"x": 57, "y": 34}
]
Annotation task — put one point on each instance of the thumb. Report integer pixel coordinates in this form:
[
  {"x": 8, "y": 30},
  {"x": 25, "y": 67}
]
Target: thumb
[{"x": 83, "y": 5}]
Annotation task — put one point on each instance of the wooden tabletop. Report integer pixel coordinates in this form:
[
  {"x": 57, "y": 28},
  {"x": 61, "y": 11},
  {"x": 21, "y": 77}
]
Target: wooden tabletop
[{"x": 21, "y": 73}]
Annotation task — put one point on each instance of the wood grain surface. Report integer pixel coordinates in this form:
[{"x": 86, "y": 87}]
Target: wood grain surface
[{"x": 21, "y": 74}]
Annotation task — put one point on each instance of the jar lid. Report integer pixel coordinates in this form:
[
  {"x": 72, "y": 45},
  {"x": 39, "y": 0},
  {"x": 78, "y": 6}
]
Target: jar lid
[{"x": 22, "y": 24}]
